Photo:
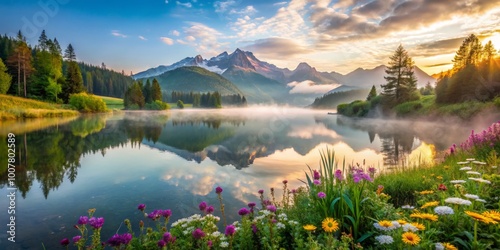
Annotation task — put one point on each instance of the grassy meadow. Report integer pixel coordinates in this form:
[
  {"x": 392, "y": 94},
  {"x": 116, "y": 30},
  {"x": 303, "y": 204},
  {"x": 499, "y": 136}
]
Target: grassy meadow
[{"x": 12, "y": 107}]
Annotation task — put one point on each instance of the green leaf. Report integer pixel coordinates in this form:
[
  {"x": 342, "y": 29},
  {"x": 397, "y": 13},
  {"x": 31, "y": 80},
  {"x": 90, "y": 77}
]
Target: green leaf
[
  {"x": 348, "y": 201},
  {"x": 364, "y": 237}
]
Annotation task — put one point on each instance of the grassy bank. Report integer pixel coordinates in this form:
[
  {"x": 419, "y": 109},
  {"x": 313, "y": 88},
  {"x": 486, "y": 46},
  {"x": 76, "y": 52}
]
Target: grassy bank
[
  {"x": 113, "y": 103},
  {"x": 12, "y": 107}
]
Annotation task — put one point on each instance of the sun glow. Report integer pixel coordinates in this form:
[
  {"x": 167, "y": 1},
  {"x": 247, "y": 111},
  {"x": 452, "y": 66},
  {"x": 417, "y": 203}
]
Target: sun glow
[{"x": 495, "y": 39}]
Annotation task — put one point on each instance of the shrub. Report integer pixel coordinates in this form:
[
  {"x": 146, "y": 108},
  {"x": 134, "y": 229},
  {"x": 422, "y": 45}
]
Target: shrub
[
  {"x": 157, "y": 105},
  {"x": 180, "y": 104},
  {"x": 87, "y": 103}
]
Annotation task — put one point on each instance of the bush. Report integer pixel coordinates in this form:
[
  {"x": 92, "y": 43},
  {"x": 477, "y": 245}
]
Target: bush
[
  {"x": 84, "y": 102},
  {"x": 180, "y": 104},
  {"x": 157, "y": 105}
]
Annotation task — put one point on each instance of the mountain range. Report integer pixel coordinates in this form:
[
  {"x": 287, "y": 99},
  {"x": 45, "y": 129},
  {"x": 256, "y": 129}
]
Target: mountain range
[{"x": 261, "y": 82}]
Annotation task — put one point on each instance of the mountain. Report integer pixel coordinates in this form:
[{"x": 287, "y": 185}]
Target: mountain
[
  {"x": 196, "y": 79},
  {"x": 188, "y": 61},
  {"x": 305, "y": 72},
  {"x": 365, "y": 78}
]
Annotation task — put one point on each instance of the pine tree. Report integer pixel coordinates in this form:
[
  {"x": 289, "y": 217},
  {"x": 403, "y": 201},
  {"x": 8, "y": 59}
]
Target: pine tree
[
  {"x": 5, "y": 78},
  {"x": 21, "y": 60},
  {"x": 401, "y": 82},
  {"x": 74, "y": 79},
  {"x": 469, "y": 53},
  {"x": 134, "y": 96},
  {"x": 69, "y": 53},
  {"x": 147, "y": 92},
  {"x": 156, "y": 91},
  {"x": 43, "y": 41},
  {"x": 372, "y": 94}
]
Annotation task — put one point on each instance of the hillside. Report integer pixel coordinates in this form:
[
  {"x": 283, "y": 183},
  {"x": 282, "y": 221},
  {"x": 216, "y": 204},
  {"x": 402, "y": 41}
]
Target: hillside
[
  {"x": 196, "y": 79},
  {"x": 333, "y": 99},
  {"x": 12, "y": 107}
]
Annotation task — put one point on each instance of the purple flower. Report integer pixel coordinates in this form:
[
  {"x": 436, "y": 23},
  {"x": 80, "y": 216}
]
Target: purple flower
[
  {"x": 116, "y": 240},
  {"x": 294, "y": 191},
  {"x": 271, "y": 208},
  {"x": 83, "y": 220},
  {"x": 166, "y": 213},
  {"x": 251, "y": 204},
  {"x": 243, "y": 211},
  {"x": 372, "y": 170},
  {"x": 76, "y": 238},
  {"x": 321, "y": 195},
  {"x": 261, "y": 191},
  {"x": 64, "y": 242},
  {"x": 198, "y": 233},
  {"x": 254, "y": 229},
  {"x": 285, "y": 181},
  {"x": 338, "y": 175},
  {"x": 96, "y": 223},
  {"x": 218, "y": 190},
  {"x": 316, "y": 175},
  {"x": 202, "y": 206},
  {"x": 267, "y": 202},
  {"x": 155, "y": 214},
  {"x": 317, "y": 182},
  {"x": 230, "y": 230},
  {"x": 209, "y": 244},
  {"x": 141, "y": 207},
  {"x": 356, "y": 178},
  {"x": 167, "y": 237},
  {"x": 161, "y": 243},
  {"x": 210, "y": 209}
]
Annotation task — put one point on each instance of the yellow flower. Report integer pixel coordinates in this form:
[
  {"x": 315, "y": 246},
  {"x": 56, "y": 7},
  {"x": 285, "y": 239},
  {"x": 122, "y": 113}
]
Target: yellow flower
[
  {"x": 419, "y": 226},
  {"x": 480, "y": 217},
  {"x": 426, "y": 192},
  {"x": 446, "y": 167},
  {"x": 310, "y": 227},
  {"x": 492, "y": 214},
  {"x": 448, "y": 246},
  {"x": 330, "y": 225},
  {"x": 424, "y": 216},
  {"x": 439, "y": 177},
  {"x": 410, "y": 238},
  {"x": 402, "y": 222},
  {"x": 430, "y": 204}
]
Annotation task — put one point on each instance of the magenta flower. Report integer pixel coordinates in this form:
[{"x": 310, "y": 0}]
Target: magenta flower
[
  {"x": 271, "y": 208},
  {"x": 166, "y": 213},
  {"x": 161, "y": 243},
  {"x": 230, "y": 230},
  {"x": 372, "y": 170},
  {"x": 261, "y": 191},
  {"x": 198, "y": 233},
  {"x": 218, "y": 190},
  {"x": 117, "y": 240},
  {"x": 83, "y": 220},
  {"x": 76, "y": 238},
  {"x": 316, "y": 175},
  {"x": 338, "y": 175},
  {"x": 254, "y": 229},
  {"x": 155, "y": 214},
  {"x": 167, "y": 237},
  {"x": 321, "y": 195},
  {"x": 202, "y": 206},
  {"x": 209, "y": 244},
  {"x": 317, "y": 182},
  {"x": 294, "y": 191},
  {"x": 141, "y": 207},
  {"x": 251, "y": 204},
  {"x": 96, "y": 223},
  {"x": 210, "y": 209},
  {"x": 243, "y": 211},
  {"x": 64, "y": 242}
]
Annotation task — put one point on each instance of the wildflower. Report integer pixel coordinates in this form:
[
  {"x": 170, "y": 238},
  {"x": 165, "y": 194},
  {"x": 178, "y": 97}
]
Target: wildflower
[
  {"x": 494, "y": 215},
  {"x": 473, "y": 172},
  {"x": 141, "y": 207},
  {"x": 458, "y": 182},
  {"x": 64, "y": 242},
  {"x": 224, "y": 244},
  {"x": 424, "y": 216},
  {"x": 330, "y": 225},
  {"x": 410, "y": 238},
  {"x": 462, "y": 162},
  {"x": 480, "y": 217},
  {"x": 76, "y": 238},
  {"x": 448, "y": 246},
  {"x": 166, "y": 213},
  {"x": 481, "y": 180},
  {"x": 466, "y": 168},
  {"x": 83, "y": 220},
  {"x": 251, "y": 204},
  {"x": 439, "y": 246},
  {"x": 380, "y": 188},
  {"x": 426, "y": 192},
  {"x": 202, "y": 206},
  {"x": 309, "y": 227},
  {"x": 442, "y": 187},
  {"x": 285, "y": 182},
  {"x": 384, "y": 225},
  {"x": 230, "y": 230},
  {"x": 338, "y": 175},
  {"x": 402, "y": 222},
  {"x": 218, "y": 190},
  {"x": 316, "y": 175},
  {"x": 210, "y": 209},
  {"x": 117, "y": 240},
  {"x": 96, "y": 223},
  {"x": 321, "y": 195},
  {"x": 471, "y": 196},
  {"x": 243, "y": 211},
  {"x": 409, "y": 227},
  {"x": 419, "y": 226},
  {"x": 480, "y": 200},
  {"x": 198, "y": 233},
  {"x": 408, "y": 207},
  {"x": 161, "y": 243},
  {"x": 458, "y": 201},
  {"x": 372, "y": 170},
  {"x": 384, "y": 239},
  {"x": 430, "y": 204},
  {"x": 261, "y": 191},
  {"x": 317, "y": 182},
  {"x": 167, "y": 237},
  {"x": 280, "y": 225},
  {"x": 271, "y": 208},
  {"x": 470, "y": 159},
  {"x": 443, "y": 210}
]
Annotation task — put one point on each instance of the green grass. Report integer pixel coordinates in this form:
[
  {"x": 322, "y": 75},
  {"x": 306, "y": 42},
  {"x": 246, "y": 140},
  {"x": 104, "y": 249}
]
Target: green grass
[
  {"x": 12, "y": 107},
  {"x": 173, "y": 105},
  {"x": 112, "y": 102}
]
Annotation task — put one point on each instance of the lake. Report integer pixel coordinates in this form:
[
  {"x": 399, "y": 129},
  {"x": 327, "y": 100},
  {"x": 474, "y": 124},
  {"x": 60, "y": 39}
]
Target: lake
[{"x": 175, "y": 159}]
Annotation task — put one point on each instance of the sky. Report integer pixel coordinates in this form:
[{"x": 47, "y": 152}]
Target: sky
[{"x": 338, "y": 36}]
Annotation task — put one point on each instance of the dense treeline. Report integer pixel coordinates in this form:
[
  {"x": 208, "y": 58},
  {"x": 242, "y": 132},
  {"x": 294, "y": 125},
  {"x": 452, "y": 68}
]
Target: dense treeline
[
  {"x": 209, "y": 99},
  {"x": 475, "y": 74},
  {"x": 144, "y": 96},
  {"x": 44, "y": 72},
  {"x": 331, "y": 100}
]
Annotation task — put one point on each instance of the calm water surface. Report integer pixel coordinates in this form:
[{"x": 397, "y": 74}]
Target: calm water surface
[{"x": 174, "y": 160}]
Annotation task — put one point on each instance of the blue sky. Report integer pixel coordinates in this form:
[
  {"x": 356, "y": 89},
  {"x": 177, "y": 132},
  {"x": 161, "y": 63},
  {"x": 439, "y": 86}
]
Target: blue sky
[{"x": 330, "y": 35}]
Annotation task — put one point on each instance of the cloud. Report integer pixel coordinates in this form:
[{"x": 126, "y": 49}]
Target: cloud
[
  {"x": 142, "y": 38},
  {"x": 310, "y": 131},
  {"x": 437, "y": 65},
  {"x": 439, "y": 47},
  {"x": 175, "y": 33},
  {"x": 280, "y": 3},
  {"x": 249, "y": 10},
  {"x": 180, "y": 41},
  {"x": 223, "y": 6},
  {"x": 118, "y": 34},
  {"x": 309, "y": 87},
  {"x": 167, "y": 40},
  {"x": 207, "y": 38},
  {"x": 187, "y": 5},
  {"x": 277, "y": 47},
  {"x": 190, "y": 38},
  {"x": 166, "y": 1}
]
